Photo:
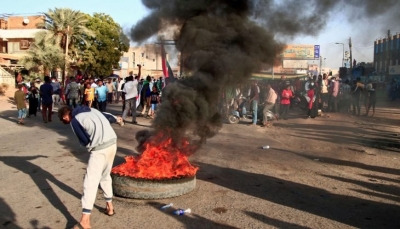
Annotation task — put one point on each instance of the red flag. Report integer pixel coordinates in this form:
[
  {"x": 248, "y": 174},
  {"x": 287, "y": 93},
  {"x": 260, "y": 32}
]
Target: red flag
[
  {"x": 166, "y": 68},
  {"x": 164, "y": 61}
]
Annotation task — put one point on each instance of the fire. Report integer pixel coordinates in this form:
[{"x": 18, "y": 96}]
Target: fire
[{"x": 160, "y": 160}]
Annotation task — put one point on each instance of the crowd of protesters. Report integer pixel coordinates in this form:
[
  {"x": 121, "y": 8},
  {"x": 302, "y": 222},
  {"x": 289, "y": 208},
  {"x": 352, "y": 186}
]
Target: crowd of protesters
[
  {"x": 314, "y": 95},
  {"x": 50, "y": 95}
]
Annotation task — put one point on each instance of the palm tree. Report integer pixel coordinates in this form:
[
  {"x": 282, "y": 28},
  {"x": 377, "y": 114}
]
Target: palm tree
[
  {"x": 69, "y": 26},
  {"x": 44, "y": 54}
]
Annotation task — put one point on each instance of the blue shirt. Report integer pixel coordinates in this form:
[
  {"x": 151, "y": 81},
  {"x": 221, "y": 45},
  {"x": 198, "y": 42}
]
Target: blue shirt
[
  {"x": 46, "y": 90},
  {"x": 102, "y": 93},
  {"x": 56, "y": 87}
]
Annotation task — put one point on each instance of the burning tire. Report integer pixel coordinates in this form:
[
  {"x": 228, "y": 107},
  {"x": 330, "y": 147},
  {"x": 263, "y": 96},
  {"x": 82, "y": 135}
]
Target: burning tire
[
  {"x": 151, "y": 189},
  {"x": 233, "y": 119}
]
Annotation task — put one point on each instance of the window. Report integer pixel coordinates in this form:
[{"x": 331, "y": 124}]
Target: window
[
  {"x": 382, "y": 47},
  {"x": 391, "y": 44},
  {"x": 24, "y": 44},
  {"x": 376, "y": 48},
  {"x": 133, "y": 59},
  {"x": 398, "y": 42}
]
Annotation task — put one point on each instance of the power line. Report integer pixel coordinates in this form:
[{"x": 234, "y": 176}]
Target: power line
[{"x": 367, "y": 58}]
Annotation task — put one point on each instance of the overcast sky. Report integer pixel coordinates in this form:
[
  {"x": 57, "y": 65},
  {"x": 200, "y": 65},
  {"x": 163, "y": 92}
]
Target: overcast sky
[{"x": 128, "y": 12}]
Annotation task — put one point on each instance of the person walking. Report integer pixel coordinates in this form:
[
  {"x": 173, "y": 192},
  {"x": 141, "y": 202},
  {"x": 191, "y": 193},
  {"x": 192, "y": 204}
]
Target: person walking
[
  {"x": 131, "y": 93},
  {"x": 73, "y": 92},
  {"x": 254, "y": 93},
  {"x": 94, "y": 132},
  {"x": 56, "y": 92},
  {"x": 145, "y": 97},
  {"x": 155, "y": 100},
  {"x": 46, "y": 93},
  {"x": 269, "y": 103},
  {"x": 89, "y": 95},
  {"x": 20, "y": 100}
]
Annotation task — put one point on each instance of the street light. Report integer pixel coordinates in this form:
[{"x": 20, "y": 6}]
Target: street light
[
  {"x": 343, "y": 53},
  {"x": 320, "y": 65}
]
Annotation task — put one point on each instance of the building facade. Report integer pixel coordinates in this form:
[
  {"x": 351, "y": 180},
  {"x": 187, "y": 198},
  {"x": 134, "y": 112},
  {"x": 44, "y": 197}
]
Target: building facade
[
  {"x": 16, "y": 35},
  {"x": 387, "y": 56},
  {"x": 148, "y": 56}
]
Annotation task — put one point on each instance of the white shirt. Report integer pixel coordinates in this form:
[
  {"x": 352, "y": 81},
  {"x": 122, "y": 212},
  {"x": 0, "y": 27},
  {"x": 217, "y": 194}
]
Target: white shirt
[
  {"x": 94, "y": 85},
  {"x": 120, "y": 83},
  {"x": 130, "y": 89}
]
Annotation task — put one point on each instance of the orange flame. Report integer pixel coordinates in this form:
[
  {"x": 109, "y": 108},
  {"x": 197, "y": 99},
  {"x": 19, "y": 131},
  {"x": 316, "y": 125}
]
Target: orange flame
[{"x": 160, "y": 160}]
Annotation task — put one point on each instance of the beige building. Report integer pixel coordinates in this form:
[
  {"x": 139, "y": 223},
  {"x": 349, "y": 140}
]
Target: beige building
[{"x": 149, "y": 56}]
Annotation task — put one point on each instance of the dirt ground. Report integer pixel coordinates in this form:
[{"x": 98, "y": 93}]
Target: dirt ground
[{"x": 331, "y": 172}]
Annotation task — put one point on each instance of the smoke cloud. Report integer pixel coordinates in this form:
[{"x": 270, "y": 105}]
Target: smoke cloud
[{"x": 223, "y": 43}]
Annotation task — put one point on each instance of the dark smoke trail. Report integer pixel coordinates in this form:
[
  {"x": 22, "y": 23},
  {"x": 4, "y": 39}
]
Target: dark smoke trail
[{"x": 224, "y": 42}]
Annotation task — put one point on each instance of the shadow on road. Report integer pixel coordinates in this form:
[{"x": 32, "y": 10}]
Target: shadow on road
[
  {"x": 353, "y": 211},
  {"x": 7, "y": 216},
  {"x": 273, "y": 222},
  {"x": 42, "y": 179}
]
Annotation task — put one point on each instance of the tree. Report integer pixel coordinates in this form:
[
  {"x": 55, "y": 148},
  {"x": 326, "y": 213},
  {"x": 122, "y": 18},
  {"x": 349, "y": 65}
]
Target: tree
[
  {"x": 102, "y": 53},
  {"x": 44, "y": 54},
  {"x": 69, "y": 27}
]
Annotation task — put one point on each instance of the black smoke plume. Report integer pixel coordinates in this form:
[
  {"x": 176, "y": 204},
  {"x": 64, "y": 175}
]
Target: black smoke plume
[{"x": 223, "y": 43}]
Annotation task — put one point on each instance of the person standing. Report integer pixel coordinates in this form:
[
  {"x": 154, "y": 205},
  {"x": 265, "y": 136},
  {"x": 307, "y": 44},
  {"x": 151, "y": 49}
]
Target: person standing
[
  {"x": 94, "y": 132},
  {"x": 119, "y": 89},
  {"x": 345, "y": 96},
  {"x": 56, "y": 92},
  {"x": 355, "y": 96},
  {"x": 110, "y": 90},
  {"x": 286, "y": 95},
  {"x": 93, "y": 84},
  {"x": 254, "y": 93},
  {"x": 333, "y": 95},
  {"x": 270, "y": 100},
  {"x": 38, "y": 83},
  {"x": 370, "y": 97},
  {"x": 73, "y": 92},
  {"x": 310, "y": 99},
  {"x": 20, "y": 100},
  {"x": 33, "y": 100},
  {"x": 324, "y": 91},
  {"x": 46, "y": 93},
  {"x": 131, "y": 93},
  {"x": 101, "y": 96}
]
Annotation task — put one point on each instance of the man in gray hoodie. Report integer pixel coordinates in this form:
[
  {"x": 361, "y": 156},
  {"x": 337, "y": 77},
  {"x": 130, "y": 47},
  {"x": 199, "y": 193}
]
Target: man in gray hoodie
[{"x": 94, "y": 131}]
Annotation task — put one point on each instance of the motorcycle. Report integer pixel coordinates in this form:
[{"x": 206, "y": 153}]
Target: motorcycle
[{"x": 241, "y": 113}]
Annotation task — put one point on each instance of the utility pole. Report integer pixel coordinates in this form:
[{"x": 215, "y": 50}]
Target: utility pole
[
  {"x": 387, "y": 53},
  {"x": 272, "y": 67},
  {"x": 351, "y": 55},
  {"x": 64, "y": 76}
]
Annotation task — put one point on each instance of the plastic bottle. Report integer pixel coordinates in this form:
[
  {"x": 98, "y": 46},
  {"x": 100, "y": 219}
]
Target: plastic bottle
[
  {"x": 182, "y": 211},
  {"x": 167, "y": 206},
  {"x": 265, "y": 147}
]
